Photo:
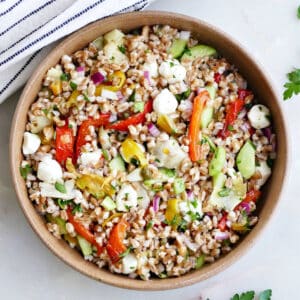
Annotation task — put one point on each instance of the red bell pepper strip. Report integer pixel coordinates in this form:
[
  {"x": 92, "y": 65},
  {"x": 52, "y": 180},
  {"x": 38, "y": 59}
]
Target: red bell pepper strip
[
  {"x": 84, "y": 232},
  {"x": 222, "y": 223},
  {"x": 64, "y": 144},
  {"x": 194, "y": 128},
  {"x": 84, "y": 131},
  {"x": 252, "y": 195},
  {"x": 132, "y": 120},
  {"x": 115, "y": 246},
  {"x": 217, "y": 77},
  {"x": 232, "y": 111},
  {"x": 242, "y": 94}
]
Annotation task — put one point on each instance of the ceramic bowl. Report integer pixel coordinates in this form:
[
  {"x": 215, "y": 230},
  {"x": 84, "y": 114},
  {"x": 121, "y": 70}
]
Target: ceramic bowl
[{"x": 228, "y": 48}]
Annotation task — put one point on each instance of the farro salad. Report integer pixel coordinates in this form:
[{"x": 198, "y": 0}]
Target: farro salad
[{"x": 146, "y": 152}]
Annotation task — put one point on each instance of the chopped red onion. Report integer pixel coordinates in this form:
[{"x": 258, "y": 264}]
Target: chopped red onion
[
  {"x": 97, "y": 78},
  {"x": 80, "y": 69},
  {"x": 153, "y": 130},
  {"x": 246, "y": 207},
  {"x": 155, "y": 203},
  {"x": 267, "y": 133},
  {"x": 190, "y": 195},
  {"x": 120, "y": 95},
  {"x": 221, "y": 236},
  {"x": 242, "y": 114},
  {"x": 113, "y": 118},
  {"x": 245, "y": 127},
  {"x": 147, "y": 76}
]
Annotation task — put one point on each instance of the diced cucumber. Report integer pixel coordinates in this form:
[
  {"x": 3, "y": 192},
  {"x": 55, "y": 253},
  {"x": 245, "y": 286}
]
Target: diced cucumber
[
  {"x": 85, "y": 246},
  {"x": 218, "y": 161},
  {"x": 210, "y": 142},
  {"x": 167, "y": 173},
  {"x": 245, "y": 160},
  {"x": 98, "y": 42},
  {"x": 138, "y": 106},
  {"x": 178, "y": 186},
  {"x": 59, "y": 221},
  {"x": 108, "y": 203},
  {"x": 112, "y": 51},
  {"x": 218, "y": 181},
  {"x": 177, "y": 47},
  {"x": 114, "y": 36},
  {"x": 212, "y": 91},
  {"x": 200, "y": 261},
  {"x": 199, "y": 51},
  {"x": 207, "y": 116},
  {"x": 117, "y": 164}
]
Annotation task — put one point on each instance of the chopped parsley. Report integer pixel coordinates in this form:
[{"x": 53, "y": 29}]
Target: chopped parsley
[
  {"x": 230, "y": 128},
  {"x": 70, "y": 126},
  {"x": 195, "y": 216},
  {"x": 264, "y": 295},
  {"x": 60, "y": 187},
  {"x": 86, "y": 98},
  {"x": 125, "y": 253},
  {"x": 172, "y": 64},
  {"x": 76, "y": 208},
  {"x": 182, "y": 226},
  {"x": 270, "y": 162},
  {"x": 224, "y": 192},
  {"x": 135, "y": 162},
  {"x": 132, "y": 96},
  {"x": 194, "y": 203},
  {"x": 64, "y": 77},
  {"x": 73, "y": 85},
  {"x": 187, "y": 51},
  {"x": 24, "y": 171},
  {"x": 248, "y": 105},
  {"x": 122, "y": 49},
  {"x": 149, "y": 225},
  {"x": 63, "y": 203},
  {"x": 183, "y": 95},
  {"x": 45, "y": 111},
  {"x": 292, "y": 87},
  {"x": 105, "y": 154}
]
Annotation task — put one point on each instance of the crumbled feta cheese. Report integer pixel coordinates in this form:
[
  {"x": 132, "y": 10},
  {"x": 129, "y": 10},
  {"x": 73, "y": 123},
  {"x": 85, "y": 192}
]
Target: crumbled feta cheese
[
  {"x": 152, "y": 68},
  {"x": 135, "y": 175},
  {"x": 265, "y": 172},
  {"x": 31, "y": 143},
  {"x": 194, "y": 207},
  {"x": 49, "y": 190},
  {"x": 129, "y": 263},
  {"x": 105, "y": 93},
  {"x": 172, "y": 70},
  {"x": 54, "y": 74},
  {"x": 90, "y": 158},
  {"x": 49, "y": 170},
  {"x": 259, "y": 116},
  {"x": 165, "y": 102},
  {"x": 126, "y": 198}
]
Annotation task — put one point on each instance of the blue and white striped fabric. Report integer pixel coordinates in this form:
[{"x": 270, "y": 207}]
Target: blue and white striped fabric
[{"x": 29, "y": 28}]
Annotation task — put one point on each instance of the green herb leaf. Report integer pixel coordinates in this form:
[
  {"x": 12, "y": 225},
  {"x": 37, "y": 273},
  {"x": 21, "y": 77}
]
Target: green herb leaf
[
  {"x": 200, "y": 261},
  {"x": 183, "y": 95},
  {"x": 298, "y": 12},
  {"x": 60, "y": 187},
  {"x": 182, "y": 226},
  {"x": 25, "y": 171},
  {"x": 230, "y": 128},
  {"x": 70, "y": 126},
  {"x": 122, "y": 49},
  {"x": 171, "y": 64},
  {"x": 105, "y": 154},
  {"x": 132, "y": 96},
  {"x": 244, "y": 296},
  {"x": 73, "y": 85},
  {"x": 224, "y": 192},
  {"x": 270, "y": 162},
  {"x": 45, "y": 111},
  {"x": 76, "y": 208},
  {"x": 64, "y": 77},
  {"x": 293, "y": 86},
  {"x": 86, "y": 98},
  {"x": 149, "y": 225},
  {"x": 63, "y": 203},
  {"x": 265, "y": 295},
  {"x": 126, "y": 252}
]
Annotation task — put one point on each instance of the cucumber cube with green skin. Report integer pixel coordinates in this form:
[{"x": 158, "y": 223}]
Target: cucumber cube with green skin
[
  {"x": 108, "y": 203},
  {"x": 178, "y": 186},
  {"x": 59, "y": 221},
  {"x": 98, "y": 42},
  {"x": 117, "y": 164},
  {"x": 85, "y": 246},
  {"x": 114, "y": 36},
  {"x": 199, "y": 51},
  {"x": 207, "y": 116},
  {"x": 212, "y": 91},
  {"x": 177, "y": 47},
  {"x": 245, "y": 160},
  {"x": 218, "y": 161}
]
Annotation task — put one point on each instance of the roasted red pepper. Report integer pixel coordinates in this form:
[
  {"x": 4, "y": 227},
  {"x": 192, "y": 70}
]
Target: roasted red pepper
[
  {"x": 232, "y": 111},
  {"x": 115, "y": 246},
  {"x": 84, "y": 232},
  {"x": 217, "y": 77},
  {"x": 64, "y": 144},
  {"x": 132, "y": 120},
  {"x": 252, "y": 195},
  {"x": 84, "y": 131},
  {"x": 194, "y": 128},
  {"x": 222, "y": 223}
]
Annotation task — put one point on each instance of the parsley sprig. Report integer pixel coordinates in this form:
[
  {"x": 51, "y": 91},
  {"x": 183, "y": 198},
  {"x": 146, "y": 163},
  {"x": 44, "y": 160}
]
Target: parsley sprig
[
  {"x": 265, "y": 295},
  {"x": 293, "y": 86}
]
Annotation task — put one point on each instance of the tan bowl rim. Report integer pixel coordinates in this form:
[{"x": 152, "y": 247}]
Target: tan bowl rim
[{"x": 73, "y": 259}]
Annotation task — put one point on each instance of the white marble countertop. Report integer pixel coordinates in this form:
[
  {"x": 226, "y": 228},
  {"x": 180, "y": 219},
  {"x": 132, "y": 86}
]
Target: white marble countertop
[{"x": 28, "y": 270}]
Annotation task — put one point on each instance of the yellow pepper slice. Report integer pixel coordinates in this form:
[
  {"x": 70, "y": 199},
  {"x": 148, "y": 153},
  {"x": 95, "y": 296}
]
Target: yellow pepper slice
[
  {"x": 115, "y": 215},
  {"x": 130, "y": 149},
  {"x": 72, "y": 101},
  {"x": 172, "y": 214},
  {"x": 95, "y": 185},
  {"x": 56, "y": 87},
  {"x": 167, "y": 124},
  {"x": 118, "y": 77}
]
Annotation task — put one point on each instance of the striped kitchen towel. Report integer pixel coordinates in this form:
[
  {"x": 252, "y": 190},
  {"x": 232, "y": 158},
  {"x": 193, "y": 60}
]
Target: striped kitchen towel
[{"x": 29, "y": 29}]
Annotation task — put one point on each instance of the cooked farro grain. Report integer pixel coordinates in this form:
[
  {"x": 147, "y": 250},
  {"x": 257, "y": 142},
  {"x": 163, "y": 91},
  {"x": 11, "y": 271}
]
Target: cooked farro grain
[{"x": 146, "y": 152}]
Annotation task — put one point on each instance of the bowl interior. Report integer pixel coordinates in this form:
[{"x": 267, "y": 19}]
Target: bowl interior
[{"x": 205, "y": 34}]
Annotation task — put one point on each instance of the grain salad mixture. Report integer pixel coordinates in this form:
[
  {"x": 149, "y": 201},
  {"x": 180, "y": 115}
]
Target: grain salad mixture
[{"x": 146, "y": 152}]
